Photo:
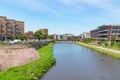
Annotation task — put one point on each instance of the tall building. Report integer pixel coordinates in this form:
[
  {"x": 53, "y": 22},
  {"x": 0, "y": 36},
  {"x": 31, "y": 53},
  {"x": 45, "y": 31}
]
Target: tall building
[
  {"x": 44, "y": 31},
  {"x": 105, "y": 32},
  {"x": 29, "y": 35},
  {"x": 10, "y": 27}
]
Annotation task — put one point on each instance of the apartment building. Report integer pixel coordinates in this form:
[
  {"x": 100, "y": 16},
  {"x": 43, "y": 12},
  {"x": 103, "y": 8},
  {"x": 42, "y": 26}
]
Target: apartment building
[
  {"x": 105, "y": 32},
  {"x": 10, "y": 27},
  {"x": 85, "y": 35},
  {"x": 94, "y": 34},
  {"x": 44, "y": 31},
  {"x": 29, "y": 35}
]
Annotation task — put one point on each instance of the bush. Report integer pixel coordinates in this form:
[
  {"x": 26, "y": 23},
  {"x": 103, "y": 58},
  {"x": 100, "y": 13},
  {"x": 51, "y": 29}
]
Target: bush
[
  {"x": 118, "y": 45},
  {"x": 112, "y": 43},
  {"x": 106, "y": 44}
]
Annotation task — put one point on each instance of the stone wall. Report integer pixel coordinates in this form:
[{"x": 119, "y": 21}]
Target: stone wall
[{"x": 17, "y": 57}]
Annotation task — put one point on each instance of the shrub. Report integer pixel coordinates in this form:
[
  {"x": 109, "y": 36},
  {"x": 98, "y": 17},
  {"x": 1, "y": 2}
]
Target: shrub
[
  {"x": 112, "y": 43},
  {"x": 118, "y": 45},
  {"x": 106, "y": 44}
]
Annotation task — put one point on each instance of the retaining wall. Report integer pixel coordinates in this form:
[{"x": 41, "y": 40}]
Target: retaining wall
[{"x": 17, "y": 57}]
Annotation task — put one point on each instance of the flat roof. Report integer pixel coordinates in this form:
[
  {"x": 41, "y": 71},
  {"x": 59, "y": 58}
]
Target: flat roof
[
  {"x": 3, "y": 16},
  {"x": 20, "y": 21},
  {"x": 10, "y": 19}
]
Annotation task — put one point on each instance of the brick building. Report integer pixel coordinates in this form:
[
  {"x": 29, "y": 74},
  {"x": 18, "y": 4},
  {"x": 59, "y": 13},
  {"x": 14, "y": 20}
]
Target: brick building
[
  {"x": 29, "y": 35},
  {"x": 10, "y": 27},
  {"x": 105, "y": 32},
  {"x": 44, "y": 31}
]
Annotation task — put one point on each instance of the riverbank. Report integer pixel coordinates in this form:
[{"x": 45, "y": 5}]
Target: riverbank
[
  {"x": 102, "y": 50},
  {"x": 34, "y": 70}
]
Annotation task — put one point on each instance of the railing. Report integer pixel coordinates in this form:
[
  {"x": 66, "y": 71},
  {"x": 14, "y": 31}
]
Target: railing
[
  {"x": 102, "y": 34},
  {"x": 36, "y": 45},
  {"x": 102, "y": 38},
  {"x": 102, "y": 30},
  {"x": 9, "y": 46}
]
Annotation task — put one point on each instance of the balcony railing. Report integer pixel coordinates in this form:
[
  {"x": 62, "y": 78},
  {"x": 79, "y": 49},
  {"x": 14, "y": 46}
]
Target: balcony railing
[
  {"x": 115, "y": 33},
  {"x": 102, "y": 38},
  {"x": 102, "y": 34},
  {"x": 102, "y": 30}
]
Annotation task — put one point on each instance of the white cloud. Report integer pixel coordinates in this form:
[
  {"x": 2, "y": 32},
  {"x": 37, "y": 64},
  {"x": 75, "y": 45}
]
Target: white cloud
[
  {"x": 73, "y": 6},
  {"x": 35, "y": 5},
  {"x": 105, "y": 5}
]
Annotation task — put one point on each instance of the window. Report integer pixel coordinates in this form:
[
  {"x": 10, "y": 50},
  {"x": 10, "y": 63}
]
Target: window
[{"x": 3, "y": 24}]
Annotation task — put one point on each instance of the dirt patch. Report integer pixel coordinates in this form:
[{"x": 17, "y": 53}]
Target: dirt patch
[{"x": 10, "y": 58}]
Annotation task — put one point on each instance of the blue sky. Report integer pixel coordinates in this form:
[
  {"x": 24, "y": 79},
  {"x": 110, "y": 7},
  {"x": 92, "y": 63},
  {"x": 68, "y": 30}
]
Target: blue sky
[{"x": 62, "y": 16}]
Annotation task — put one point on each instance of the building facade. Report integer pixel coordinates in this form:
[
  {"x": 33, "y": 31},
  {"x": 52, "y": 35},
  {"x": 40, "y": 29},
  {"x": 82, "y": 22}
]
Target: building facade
[
  {"x": 62, "y": 37},
  {"x": 85, "y": 35},
  {"x": 29, "y": 35},
  {"x": 105, "y": 32},
  {"x": 44, "y": 31},
  {"x": 55, "y": 37},
  {"x": 9, "y": 28}
]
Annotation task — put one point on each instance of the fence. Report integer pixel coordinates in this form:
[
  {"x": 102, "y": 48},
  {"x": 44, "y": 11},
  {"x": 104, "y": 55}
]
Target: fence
[
  {"x": 10, "y": 46},
  {"x": 36, "y": 45}
]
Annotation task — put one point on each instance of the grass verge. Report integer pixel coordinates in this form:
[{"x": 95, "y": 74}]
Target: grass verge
[
  {"x": 106, "y": 52},
  {"x": 34, "y": 70}
]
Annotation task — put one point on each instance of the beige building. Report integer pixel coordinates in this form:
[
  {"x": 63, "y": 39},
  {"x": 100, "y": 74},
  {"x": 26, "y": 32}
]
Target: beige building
[{"x": 10, "y": 27}]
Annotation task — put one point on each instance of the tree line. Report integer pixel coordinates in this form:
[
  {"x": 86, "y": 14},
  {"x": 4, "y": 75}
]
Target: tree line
[{"x": 37, "y": 35}]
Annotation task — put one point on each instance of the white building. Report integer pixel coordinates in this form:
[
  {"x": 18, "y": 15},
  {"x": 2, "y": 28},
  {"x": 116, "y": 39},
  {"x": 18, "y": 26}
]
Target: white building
[
  {"x": 62, "y": 37},
  {"x": 85, "y": 35},
  {"x": 65, "y": 37},
  {"x": 55, "y": 37}
]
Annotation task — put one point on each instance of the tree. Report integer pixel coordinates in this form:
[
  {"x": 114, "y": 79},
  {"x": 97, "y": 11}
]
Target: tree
[
  {"x": 50, "y": 36},
  {"x": 14, "y": 37},
  {"x": 22, "y": 37},
  {"x": 113, "y": 38},
  {"x": 38, "y": 34},
  {"x": 44, "y": 36},
  {"x": 102, "y": 40}
]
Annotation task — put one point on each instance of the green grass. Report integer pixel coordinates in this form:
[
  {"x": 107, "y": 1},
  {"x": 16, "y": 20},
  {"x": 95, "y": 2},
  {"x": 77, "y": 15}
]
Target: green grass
[
  {"x": 106, "y": 52},
  {"x": 34, "y": 70}
]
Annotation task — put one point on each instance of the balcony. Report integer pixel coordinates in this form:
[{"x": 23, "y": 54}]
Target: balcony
[
  {"x": 103, "y": 38},
  {"x": 102, "y": 30},
  {"x": 16, "y": 27},
  {"x": 115, "y": 33},
  {"x": 105, "y": 34}
]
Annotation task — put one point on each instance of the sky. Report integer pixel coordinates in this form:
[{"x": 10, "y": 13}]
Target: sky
[{"x": 62, "y": 16}]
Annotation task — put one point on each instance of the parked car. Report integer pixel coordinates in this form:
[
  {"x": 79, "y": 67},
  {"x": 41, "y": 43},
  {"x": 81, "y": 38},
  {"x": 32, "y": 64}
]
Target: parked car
[{"x": 17, "y": 41}]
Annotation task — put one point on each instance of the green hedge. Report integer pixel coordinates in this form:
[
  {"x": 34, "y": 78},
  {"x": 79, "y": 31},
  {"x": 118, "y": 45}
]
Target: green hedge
[{"x": 34, "y": 70}]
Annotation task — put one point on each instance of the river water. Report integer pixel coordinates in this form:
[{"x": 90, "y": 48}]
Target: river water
[{"x": 74, "y": 62}]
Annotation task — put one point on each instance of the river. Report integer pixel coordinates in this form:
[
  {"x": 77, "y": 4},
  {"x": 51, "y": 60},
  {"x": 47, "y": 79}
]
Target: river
[{"x": 74, "y": 62}]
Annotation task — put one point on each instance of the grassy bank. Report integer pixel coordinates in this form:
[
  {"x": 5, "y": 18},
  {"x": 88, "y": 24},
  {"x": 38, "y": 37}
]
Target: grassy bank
[
  {"x": 34, "y": 70},
  {"x": 106, "y": 52}
]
